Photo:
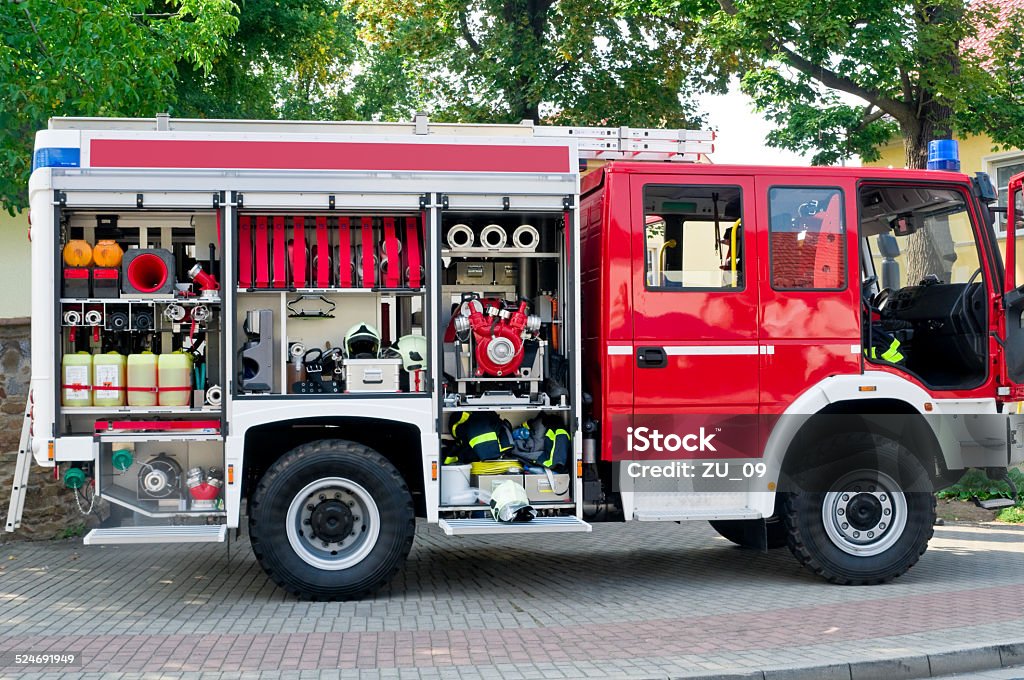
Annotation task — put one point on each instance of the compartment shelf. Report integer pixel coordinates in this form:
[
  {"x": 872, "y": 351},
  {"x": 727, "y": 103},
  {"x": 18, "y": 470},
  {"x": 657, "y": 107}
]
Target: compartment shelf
[
  {"x": 332, "y": 291},
  {"x": 498, "y": 253},
  {"x": 135, "y": 410},
  {"x": 541, "y": 505},
  {"x": 509, "y": 407},
  {"x": 120, "y": 496},
  {"x": 140, "y": 300}
]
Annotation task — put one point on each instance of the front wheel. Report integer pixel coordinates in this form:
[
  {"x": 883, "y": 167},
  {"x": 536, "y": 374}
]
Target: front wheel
[
  {"x": 864, "y": 511},
  {"x": 331, "y": 520}
]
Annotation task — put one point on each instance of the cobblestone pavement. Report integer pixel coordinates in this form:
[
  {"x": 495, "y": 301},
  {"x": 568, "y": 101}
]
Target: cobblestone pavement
[{"x": 639, "y": 600}]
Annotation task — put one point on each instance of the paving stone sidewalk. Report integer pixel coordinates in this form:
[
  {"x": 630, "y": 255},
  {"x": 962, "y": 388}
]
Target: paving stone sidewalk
[{"x": 637, "y": 601}]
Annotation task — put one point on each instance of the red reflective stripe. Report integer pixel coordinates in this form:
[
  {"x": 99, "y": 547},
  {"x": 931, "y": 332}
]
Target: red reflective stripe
[
  {"x": 180, "y": 153},
  {"x": 391, "y": 252},
  {"x": 280, "y": 251},
  {"x": 262, "y": 253},
  {"x": 412, "y": 248},
  {"x": 244, "y": 252},
  {"x": 104, "y": 273},
  {"x": 367, "y": 245},
  {"x": 323, "y": 253},
  {"x": 299, "y": 251},
  {"x": 76, "y": 273},
  {"x": 344, "y": 253}
]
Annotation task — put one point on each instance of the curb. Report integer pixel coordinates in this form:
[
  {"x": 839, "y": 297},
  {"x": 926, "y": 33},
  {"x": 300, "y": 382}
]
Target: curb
[{"x": 986, "y": 658}]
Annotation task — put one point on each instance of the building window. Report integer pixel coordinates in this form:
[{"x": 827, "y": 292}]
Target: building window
[
  {"x": 1001, "y": 171},
  {"x": 808, "y": 242},
  {"x": 693, "y": 237}
]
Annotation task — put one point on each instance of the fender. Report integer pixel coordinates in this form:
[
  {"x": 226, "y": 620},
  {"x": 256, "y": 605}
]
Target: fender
[
  {"x": 248, "y": 413},
  {"x": 969, "y": 432}
]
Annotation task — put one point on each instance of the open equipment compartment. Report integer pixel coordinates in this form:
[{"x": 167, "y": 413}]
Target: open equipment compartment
[
  {"x": 330, "y": 304},
  {"x": 140, "y": 353},
  {"x": 158, "y": 475},
  {"x": 505, "y": 292},
  {"x": 138, "y": 324}
]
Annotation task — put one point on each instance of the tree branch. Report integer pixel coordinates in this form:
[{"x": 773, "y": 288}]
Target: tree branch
[
  {"x": 870, "y": 116},
  {"x": 470, "y": 40},
  {"x": 829, "y": 78}
]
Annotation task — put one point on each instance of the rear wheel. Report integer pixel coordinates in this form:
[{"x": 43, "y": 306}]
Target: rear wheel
[
  {"x": 864, "y": 512},
  {"x": 331, "y": 520}
]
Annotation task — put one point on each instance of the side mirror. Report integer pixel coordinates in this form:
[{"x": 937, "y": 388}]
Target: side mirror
[{"x": 984, "y": 188}]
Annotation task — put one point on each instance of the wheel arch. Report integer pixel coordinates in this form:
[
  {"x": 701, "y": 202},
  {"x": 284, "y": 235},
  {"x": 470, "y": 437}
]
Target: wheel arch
[
  {"x": 398, "y": 441},
  {"x": 889, "y": 417}
]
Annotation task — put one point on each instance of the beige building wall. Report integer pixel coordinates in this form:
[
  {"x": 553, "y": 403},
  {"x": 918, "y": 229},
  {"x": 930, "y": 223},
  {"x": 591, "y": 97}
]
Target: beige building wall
[{"x": 15, "y": 272}]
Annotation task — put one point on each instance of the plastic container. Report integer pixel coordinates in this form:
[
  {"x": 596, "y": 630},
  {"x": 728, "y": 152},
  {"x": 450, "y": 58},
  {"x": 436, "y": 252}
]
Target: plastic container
[
  {"x": 142, "y": 379},
  {"x": 109, "y": 379},
  {"x": 175, "y": 379},
  {"x": 76, "y": 379},
  {"x": 455, "y": 485}
]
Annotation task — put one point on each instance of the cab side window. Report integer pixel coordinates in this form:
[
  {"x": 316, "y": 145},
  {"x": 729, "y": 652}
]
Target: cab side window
[
  {"x": 693, "y": 237},
  {"x": 807, "y": 238}
]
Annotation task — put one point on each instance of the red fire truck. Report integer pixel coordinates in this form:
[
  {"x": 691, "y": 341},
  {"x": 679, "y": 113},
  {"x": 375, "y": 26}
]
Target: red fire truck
[{"x": 336, "y": 328}]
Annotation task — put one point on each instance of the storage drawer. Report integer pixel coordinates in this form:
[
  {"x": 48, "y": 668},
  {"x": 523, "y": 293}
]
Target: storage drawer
[{"x": 371, "y": 375}]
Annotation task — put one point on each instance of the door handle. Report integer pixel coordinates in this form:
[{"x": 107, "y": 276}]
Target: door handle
[{"x": 651, "y": 357}]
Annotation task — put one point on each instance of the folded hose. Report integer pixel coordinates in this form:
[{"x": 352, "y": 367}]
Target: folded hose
[{"x": 495, "y": 467}]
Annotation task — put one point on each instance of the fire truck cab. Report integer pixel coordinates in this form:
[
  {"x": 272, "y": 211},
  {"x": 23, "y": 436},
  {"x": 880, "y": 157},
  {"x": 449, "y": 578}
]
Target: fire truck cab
[{"x": 335, "y": 328}]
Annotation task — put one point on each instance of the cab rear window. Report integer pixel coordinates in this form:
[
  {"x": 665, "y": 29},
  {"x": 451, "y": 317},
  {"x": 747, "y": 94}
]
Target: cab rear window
[{"x": 807, "y": 238}]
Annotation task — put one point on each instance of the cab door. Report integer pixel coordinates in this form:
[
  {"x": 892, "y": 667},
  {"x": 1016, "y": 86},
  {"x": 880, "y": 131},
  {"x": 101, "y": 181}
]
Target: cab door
[
  {"x": 695, "y": 302},
  {"x": 810, "y": 292}
]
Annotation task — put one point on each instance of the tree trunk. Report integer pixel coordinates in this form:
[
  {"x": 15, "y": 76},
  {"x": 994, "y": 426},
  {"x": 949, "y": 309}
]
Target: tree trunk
[{"x": 928, "y": 251}]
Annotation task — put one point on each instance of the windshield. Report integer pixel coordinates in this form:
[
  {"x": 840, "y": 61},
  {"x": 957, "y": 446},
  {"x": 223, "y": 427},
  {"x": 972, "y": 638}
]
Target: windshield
[{"x": 919, "y": 234}]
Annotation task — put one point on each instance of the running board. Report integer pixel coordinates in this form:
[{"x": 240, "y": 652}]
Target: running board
[
  {"x": 994, "y": 503},
  {"x": 684, "y": 514},
  {"x": 207, "y": 533},
  {"x": 486, "y": 525}
]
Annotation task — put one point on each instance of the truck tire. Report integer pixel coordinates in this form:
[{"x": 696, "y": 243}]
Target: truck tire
[
  {"x": 331, "y": 520},
  {"x": 864, "y": 510},
  {"x": 731, "y": 530}
]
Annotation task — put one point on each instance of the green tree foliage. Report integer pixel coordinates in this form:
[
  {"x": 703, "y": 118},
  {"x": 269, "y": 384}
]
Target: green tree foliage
[
  {"x": 94, "y": 58},
  {"x": 298, "y": 59},
  {"x": 564, "y": 61},
  {"x": 911, "y": 65}
]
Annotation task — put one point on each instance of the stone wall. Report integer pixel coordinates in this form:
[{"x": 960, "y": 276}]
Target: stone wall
[{"x": 50, "y": 510}]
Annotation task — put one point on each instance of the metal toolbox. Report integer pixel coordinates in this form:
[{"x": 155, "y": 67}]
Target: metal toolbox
[
  {"x": 486, "y": 483},
  {"x": 474, "y": 273},
  {"x": 539, "y": 488},
  {"x": 371, "y": 375}
]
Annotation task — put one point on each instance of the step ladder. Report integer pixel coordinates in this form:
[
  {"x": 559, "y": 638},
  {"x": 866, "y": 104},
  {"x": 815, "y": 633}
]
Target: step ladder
[
  {"x": 22, "y": 467},
  {"x": 691, "y": 505},
  {"x": 486, "y": 525},
  {"x": 208, "y": 533}
]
